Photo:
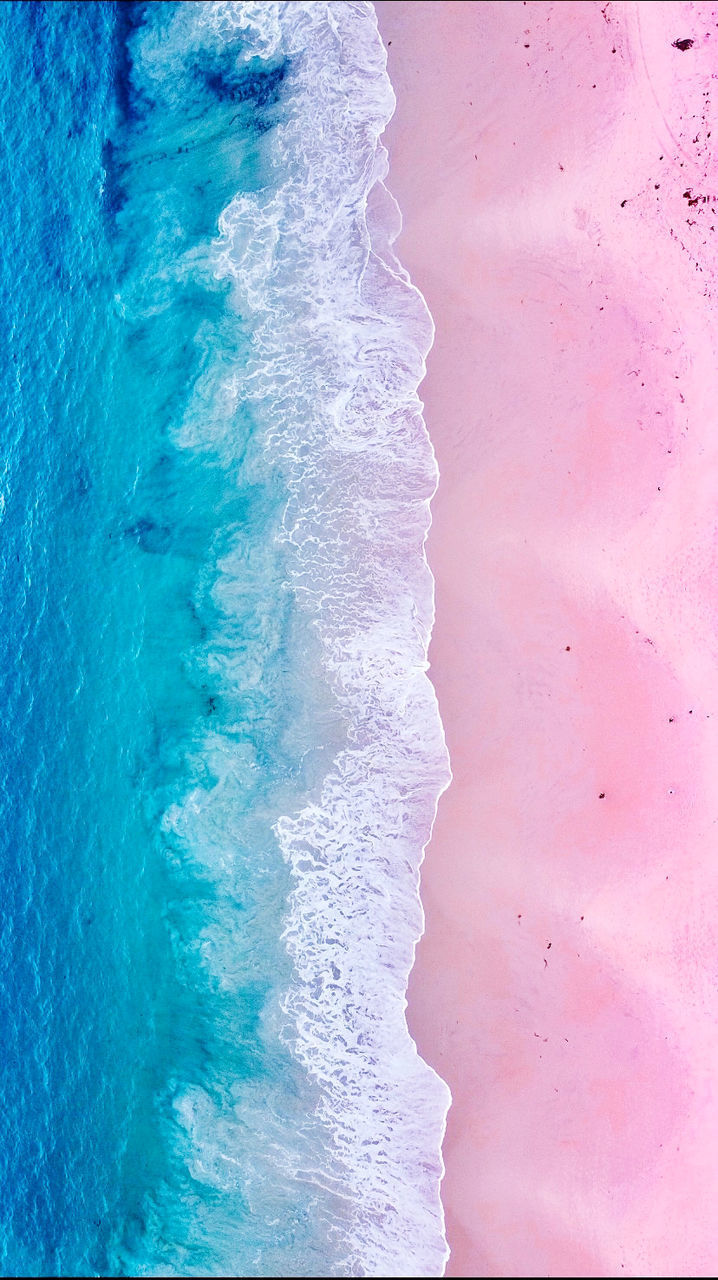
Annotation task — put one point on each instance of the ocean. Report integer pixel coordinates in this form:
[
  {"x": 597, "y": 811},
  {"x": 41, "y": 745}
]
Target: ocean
[{"x": 221, "y": 753}]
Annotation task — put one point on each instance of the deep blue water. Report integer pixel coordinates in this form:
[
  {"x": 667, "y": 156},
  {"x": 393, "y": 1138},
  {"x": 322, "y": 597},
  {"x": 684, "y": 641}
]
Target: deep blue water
[
  {"x": 109, "y": 531},
  {"x": 165, "y": 1106}
]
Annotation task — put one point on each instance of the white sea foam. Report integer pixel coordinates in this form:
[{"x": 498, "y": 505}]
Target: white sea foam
[{"x": 339, "y": 341}]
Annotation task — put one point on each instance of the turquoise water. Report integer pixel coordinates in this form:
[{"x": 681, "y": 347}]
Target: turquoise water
[{"x": 220, "y": 756}]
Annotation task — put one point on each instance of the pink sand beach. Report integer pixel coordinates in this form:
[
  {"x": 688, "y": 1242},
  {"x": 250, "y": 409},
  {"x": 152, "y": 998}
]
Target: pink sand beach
[{"x": 554, "y": 163}]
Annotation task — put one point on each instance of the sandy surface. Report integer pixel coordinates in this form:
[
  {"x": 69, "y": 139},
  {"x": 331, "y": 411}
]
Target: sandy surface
[{"x": 567, "y": 985}]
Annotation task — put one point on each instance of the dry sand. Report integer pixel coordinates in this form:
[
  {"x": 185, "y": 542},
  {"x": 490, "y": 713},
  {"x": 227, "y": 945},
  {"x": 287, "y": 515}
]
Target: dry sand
[{"x": 567, "y": 984}]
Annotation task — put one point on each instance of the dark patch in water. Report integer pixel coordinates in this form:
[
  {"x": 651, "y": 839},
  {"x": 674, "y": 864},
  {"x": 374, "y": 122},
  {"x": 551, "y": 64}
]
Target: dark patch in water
[
  {"x": 150, "y": 536},
  {"x": 82, "y": 482},
  {"x": 253, "y": 83},
  {"x": 39, "y": 51},
  {"x": 130, "y": 15}
]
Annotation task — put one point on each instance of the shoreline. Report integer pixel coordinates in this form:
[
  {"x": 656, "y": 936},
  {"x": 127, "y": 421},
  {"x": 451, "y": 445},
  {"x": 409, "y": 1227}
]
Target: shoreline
[{"x": 563, "y": 985}]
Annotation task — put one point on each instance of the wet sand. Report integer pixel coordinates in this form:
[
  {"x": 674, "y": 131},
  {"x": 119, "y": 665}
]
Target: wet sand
[{"x": 556, "y": 175}]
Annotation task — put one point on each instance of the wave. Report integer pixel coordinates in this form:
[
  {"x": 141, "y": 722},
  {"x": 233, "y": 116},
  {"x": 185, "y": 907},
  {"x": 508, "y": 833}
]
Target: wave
[
  {"x": 307, "y": 397},
  {"x": 338, "y": 347}
]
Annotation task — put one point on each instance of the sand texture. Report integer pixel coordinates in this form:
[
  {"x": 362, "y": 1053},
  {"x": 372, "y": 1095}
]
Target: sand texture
[{"x": 555, "y": 167}]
